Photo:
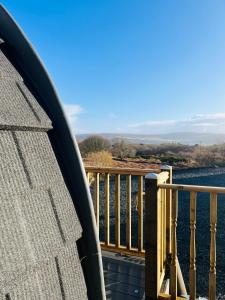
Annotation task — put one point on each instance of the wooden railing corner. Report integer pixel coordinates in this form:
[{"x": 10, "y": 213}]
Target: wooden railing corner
[
  {"x": 156, "y": 223},
  {"x": 160, "y": 199}
]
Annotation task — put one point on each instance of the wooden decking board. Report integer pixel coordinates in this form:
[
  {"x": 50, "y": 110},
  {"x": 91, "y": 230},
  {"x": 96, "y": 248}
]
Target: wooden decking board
[
  {"x": 127, "y": 289},
  {"x": 133, "y": 281},
  {"x": 119, "y": 296},
  {"x": 124, "y": 277}
]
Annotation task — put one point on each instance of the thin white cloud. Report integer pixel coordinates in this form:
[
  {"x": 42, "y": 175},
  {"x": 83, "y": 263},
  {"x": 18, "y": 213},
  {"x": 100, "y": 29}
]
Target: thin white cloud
[
  {"x": 200, "y": 122},
  {"x": 72, "y": 112},
  {"x": 153, "y": 123},
  {"x": 217, "y": 116},
  {"x": 204, "y": 124}
]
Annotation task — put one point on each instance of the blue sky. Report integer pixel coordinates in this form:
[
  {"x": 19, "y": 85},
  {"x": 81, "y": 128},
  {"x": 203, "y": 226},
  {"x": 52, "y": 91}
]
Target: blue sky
[{"x": 131, "y": 66}]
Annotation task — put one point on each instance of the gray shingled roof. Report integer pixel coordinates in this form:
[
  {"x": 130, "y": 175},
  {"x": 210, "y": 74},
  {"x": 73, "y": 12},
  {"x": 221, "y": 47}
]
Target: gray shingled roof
[
  {"x": 46, "y": 210},
  {"x": 39, "y": 226}
]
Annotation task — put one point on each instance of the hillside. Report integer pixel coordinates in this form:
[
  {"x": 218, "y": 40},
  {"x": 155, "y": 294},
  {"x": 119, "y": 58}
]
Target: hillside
[{"x": 188, "y": 138}]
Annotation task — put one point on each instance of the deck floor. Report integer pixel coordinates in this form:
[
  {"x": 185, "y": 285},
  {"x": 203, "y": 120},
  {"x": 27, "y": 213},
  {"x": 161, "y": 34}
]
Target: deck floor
[{"x": 124, "y": 276}]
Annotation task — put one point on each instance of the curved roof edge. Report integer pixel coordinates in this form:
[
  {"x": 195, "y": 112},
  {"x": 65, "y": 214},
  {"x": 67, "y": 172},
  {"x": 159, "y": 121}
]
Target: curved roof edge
[{"x": 64, "y": 145}]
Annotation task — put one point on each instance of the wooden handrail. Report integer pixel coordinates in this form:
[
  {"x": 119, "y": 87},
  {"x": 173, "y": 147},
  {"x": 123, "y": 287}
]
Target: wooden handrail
[
  {"x": 121, "y": 171},
  {"x": 193, "y": 188}
]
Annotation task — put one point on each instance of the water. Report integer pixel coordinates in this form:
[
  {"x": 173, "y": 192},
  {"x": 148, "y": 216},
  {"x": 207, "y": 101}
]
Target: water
[{"x": 206, "y": 176}]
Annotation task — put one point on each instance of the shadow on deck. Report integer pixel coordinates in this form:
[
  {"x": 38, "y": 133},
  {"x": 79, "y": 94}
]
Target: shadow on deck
[{"x": 124, "y": 276}]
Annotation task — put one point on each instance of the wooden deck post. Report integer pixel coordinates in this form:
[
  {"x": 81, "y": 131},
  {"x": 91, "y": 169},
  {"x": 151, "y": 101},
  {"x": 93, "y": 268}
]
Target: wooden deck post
[{"x": 152, "y": 251}]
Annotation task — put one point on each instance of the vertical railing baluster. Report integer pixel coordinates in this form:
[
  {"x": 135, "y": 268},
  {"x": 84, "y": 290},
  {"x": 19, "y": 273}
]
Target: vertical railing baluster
[
  {"x": 213, "y": 223},
  {"x": 97, "y": 200},
  {"x": 168, "y": 211},
  {"x": 162, "y": 228},
  {"x": 117, "y": 210},
  {"x": 128, "y": 212},
  {"x": 192, "y": 272},
  {"x": 107, "y": 223},
  {"x": 140, "y": 213},
  {"x": 173, "y": 267}
]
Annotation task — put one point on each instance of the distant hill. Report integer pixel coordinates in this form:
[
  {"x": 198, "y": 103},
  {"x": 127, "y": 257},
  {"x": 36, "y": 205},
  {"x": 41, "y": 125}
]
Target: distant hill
[{"x": 189, "y": 138}]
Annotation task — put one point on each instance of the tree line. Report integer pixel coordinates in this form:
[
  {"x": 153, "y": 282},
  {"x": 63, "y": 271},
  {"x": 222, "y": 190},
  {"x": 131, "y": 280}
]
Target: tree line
[
  {"x": 99, "y": 148},
  {"x": 119, "y": 149}
]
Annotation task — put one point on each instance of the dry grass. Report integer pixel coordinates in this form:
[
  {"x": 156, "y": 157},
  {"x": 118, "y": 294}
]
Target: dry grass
[{"x": 100, "y": 159}]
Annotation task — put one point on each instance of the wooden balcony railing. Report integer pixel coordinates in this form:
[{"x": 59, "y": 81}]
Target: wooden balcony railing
[
  {"x": 94, "y": 174},
  {"x": 193, "y": 190},
  {"x": 154, "y": 213},
  {"x": 157, "y": 224}
]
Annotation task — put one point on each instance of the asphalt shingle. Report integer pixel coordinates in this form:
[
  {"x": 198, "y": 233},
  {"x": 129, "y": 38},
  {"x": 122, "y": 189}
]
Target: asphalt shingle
[
  {"x": 7, "y": 70},
  {"x": 19, "y": 109},
  {"x": 12, "y": 176},
  {"x": 39, "y": 160},
  {"x": 39, "y": 226}
]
